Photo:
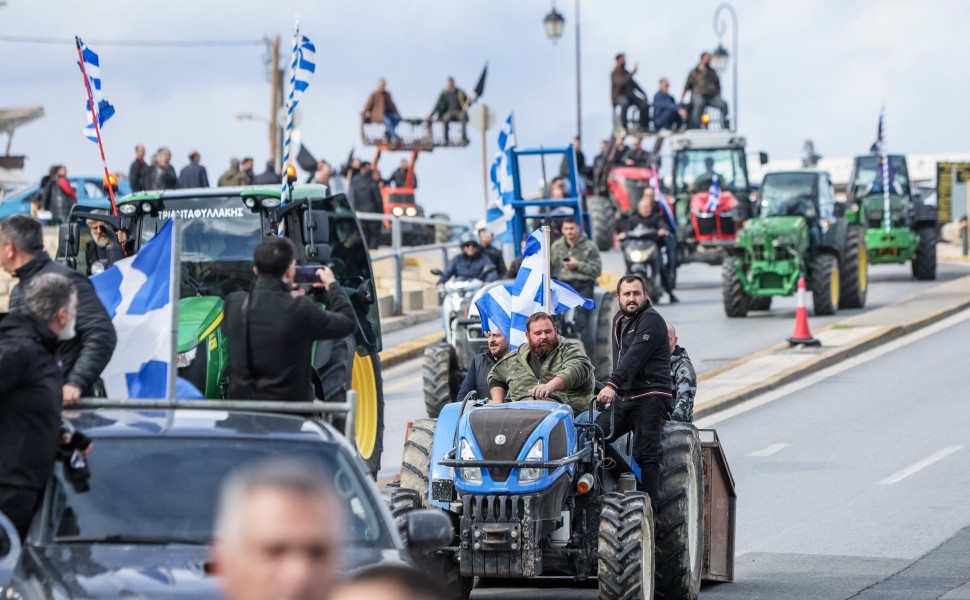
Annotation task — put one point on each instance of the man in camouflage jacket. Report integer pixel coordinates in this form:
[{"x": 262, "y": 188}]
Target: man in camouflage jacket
[{"x": 684, "y": 380}]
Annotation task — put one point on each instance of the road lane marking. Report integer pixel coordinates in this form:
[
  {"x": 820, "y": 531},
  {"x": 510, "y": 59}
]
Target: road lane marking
[
  {"x": 772, "y": 449},
  {"x": 402, "y": 384},
  {"x": 919, "y": 466},
  {"x": 810, "y": 380}
]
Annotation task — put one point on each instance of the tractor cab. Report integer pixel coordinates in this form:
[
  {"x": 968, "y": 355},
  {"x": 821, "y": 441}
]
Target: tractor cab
[{"x": 866, "y": 186}]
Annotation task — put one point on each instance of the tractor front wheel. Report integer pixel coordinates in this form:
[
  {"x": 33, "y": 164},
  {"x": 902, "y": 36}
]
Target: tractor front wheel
[
  {"x": 602, "y": 216},
  {"x": 736, "y": 302},
  {"x": 855, "y": 275},
  {"x": 416, "y": 459},
  {"x": 825, "y": 284},
  {"x": 626, "y": 547},
  {"x": 924, "y": 263}
]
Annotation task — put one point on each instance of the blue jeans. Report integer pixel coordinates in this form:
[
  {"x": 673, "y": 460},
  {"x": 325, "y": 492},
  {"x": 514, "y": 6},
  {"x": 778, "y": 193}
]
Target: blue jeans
[
  {"x": 390, "y": 123},
  {"x": 666, "y": 117}
]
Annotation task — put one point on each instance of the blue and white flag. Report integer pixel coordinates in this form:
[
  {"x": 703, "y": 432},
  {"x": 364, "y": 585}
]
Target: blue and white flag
[
  {"x": 497, "y": 220},
  {"x": 508, "y": 307},
  {"x": 104, "y": 110},
  {"x": 877, "y": 146},
  {"x": 499, "y": 214},
  {"x": 661, "y": 199},
  {"x": 306, "y": 64},
  {"x": 714, "y": 194},
  {"x": 139, "y": 297}
]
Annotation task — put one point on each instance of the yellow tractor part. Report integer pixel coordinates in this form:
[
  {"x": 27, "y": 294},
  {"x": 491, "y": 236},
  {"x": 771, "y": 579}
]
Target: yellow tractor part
[{"x": 364, "y": 382}]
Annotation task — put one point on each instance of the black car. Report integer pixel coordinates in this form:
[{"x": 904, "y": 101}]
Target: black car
[{"x": 136, "y": 522}]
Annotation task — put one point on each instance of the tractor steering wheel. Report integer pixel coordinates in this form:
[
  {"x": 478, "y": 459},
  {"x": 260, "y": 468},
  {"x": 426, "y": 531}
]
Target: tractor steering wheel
[{"x": 551, "y": 397}]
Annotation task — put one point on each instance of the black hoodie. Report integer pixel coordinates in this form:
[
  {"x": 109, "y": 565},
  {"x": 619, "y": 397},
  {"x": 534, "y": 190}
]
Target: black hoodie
[{"x": 641, "y": 355}]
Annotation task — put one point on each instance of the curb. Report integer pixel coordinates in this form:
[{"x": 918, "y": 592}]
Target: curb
[
  {"x": 876, "y": 338},
  {"x": 404, "y": 352}
]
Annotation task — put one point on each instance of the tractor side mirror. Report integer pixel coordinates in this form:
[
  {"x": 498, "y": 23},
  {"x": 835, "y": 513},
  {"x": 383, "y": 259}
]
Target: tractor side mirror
[
  {"x": 318, "y": 253},
  {"x": 840, "y": 209},
  {"x": 10, "y": 552},
  {"x": 428, "y": 530},
  {"x": 69, "y": 241},
  {"x": 763, "y": 158},
  {"x": 316, "y": 226}
]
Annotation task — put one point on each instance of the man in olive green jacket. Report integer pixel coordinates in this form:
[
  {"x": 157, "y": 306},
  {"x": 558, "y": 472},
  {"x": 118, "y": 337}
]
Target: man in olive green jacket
[
  {"x": 546, "y": 366},
  {"x": 576, "y": 262}
]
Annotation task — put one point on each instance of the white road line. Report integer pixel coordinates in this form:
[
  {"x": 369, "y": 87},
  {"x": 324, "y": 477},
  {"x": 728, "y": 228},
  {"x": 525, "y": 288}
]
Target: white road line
[
  {"x": 919, "y": 466},
  {"x": 791, "y": 388},
  {"x": 770, "y": 450}
]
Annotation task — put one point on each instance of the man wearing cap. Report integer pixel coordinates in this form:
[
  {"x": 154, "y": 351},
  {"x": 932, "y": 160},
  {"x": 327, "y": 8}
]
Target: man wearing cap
[
  {"x": 470, "y": 264},
  {"x": 485, "y": 239}
]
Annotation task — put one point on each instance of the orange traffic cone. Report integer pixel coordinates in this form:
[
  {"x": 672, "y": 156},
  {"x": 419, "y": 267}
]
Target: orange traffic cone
[{"x": 802, "y": 335}]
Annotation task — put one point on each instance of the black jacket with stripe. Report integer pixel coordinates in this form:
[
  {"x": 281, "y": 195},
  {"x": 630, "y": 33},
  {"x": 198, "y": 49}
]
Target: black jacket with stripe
[{"x": 641, "y": 355}]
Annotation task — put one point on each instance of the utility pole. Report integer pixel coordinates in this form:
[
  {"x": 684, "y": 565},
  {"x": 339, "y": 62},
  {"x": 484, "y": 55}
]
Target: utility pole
[{"x": 274, "y": 76}]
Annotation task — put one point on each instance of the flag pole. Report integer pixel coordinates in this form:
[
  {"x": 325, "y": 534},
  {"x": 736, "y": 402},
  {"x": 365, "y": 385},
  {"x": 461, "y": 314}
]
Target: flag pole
[
  {"x": 174, "y": 286},
  {"x": 97, "y": 128},
  {"x": 887, "y": 218},
  {"x": 288, "y": 131},
  {"x": 547, "y": 281}
]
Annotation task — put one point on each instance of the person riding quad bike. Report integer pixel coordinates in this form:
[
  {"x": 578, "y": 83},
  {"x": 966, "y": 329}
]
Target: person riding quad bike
[{"x": 472, "y": 263}]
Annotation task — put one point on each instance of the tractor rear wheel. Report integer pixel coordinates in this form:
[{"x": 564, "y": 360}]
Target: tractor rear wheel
[
  {"x": 924, "y": 263},
  {"x": 679, "y": 522},
  {"x": 602, "y": 216},
  {"x": 855, "y": 275},
  {"x": 416, "y": 459},
  {"x": 626, "y": 547},
  {"x": 366, "y": 380},
  {"x": 736, "y": 302},
  {"x": 438, "y": 374},
  {"x": 763, "y": 303},
  {"x": 825, "y": 284},
  {"x": 603, "y": 360}
]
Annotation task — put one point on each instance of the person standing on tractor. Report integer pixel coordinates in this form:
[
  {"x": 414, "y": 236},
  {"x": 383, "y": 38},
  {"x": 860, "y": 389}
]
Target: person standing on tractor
[
  {"x": 547, "y": 365},
  {"x": 472, "y": 263},
  {"x": 583, "y": 172},
  {"x": 684, "y": 380},
  {"x": 399, "y": 178},
  {"x": 476, "y": 379},
  {"x": 626, "y": 92},
  {"x": 638, "y": 389},
  {"x": 485, "y": 238},
  {"x": 649, "y": 217},
  {"x": 599, "y": 162},
  {"x": 380, "y": 108},
  {"x": 666, "y": 110},
  {"x": 576, "y": 262},
  {"x": 705, "y": 90},
  {"x": 272, "y": 329},
  {"x": 636, "y": 156},
  {"x": 450, "y": 108},
  {"x": 193, "y": 175}
]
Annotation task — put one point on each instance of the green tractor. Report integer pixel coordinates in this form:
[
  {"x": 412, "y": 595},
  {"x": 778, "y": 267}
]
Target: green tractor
[
  {"x": 909, "y": 233},
  {"x": 220, "y": 228},
  {"x": 800, "y": 229}
]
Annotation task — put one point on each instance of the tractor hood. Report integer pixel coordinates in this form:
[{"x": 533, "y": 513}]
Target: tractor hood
[
  {"x": 198, "y": 317},
  {"x": 783, "y": 231}
]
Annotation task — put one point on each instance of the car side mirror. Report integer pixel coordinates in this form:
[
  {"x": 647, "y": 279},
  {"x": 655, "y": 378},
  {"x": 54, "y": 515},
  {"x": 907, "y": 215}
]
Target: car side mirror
[
  {"x": 763, "y": 158},
  {"x": 437, "y": 272},
  {"x": 69, "y": 240},
  {"x": 428, "y": 530},
  {"x": 10, "y": 552}
]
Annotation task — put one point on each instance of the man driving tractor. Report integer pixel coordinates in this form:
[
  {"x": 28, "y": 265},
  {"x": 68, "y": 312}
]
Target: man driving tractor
[{"x": 547, "y": 366}]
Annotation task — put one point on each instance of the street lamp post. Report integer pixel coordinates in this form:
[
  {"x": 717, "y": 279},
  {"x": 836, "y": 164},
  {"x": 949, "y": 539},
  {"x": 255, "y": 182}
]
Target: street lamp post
[
  {"x": 720, "y": 58},
  {"x": 554, "y": 23}
]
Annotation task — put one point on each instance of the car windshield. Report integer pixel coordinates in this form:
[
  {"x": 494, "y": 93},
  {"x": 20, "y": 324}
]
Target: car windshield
[
  {"x": 218, "y": 236},
  {"x": 868, "y": 175},
  {"x": 165, "y": 490},
  {"x": 695, "y": 168},
  {"x": 788, "y": 194}
]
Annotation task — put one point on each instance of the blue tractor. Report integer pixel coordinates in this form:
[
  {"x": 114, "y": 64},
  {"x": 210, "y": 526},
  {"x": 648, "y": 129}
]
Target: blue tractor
[{"x": 533, "y": 493}]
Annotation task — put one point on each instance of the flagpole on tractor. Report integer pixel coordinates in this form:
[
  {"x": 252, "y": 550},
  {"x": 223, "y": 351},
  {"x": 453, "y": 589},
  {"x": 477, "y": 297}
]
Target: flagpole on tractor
[
  {"x": 886, "y": 204},
  {"x": 174, "y": 286},
  {"x": 547, "y": 280},
  {"x": 294, "y": 56},
  {"x": 97, "y": 128}
]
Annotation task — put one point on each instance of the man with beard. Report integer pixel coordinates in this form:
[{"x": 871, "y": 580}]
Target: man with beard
[
  {"x": 547, "y": 366},
  {"x": 96, "y": 252},
  {"x": 476, "y": 380},
  {"x": 639, "y": 387}
]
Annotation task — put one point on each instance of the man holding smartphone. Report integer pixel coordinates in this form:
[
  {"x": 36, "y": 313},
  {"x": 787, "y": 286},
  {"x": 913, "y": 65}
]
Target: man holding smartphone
[
  {"x": 576, "y": 262},
  {"x": 271, "y": 330}
]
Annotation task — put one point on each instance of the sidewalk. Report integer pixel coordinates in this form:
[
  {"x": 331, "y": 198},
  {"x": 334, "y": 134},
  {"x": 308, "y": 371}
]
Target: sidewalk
[{"x": 781, "y": 363}]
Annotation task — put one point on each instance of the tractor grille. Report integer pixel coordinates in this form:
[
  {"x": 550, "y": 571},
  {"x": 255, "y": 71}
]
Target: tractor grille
[
  {"x": 495, "y": 509},
  {"x": 515, "y": 425},
  {"x": 769, "y": 253},
  {"x": 874, "y": 219}
]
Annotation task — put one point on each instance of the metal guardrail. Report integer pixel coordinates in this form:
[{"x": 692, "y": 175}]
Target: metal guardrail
[{"x": 398, "y": 251}]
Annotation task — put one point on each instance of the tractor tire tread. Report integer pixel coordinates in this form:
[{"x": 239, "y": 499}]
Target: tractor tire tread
[
  {"x": 853, "y": 287},
  {"x": 822, "y": 279},
  {"x": 924, "y": 261},
  {"x": 416, "y": 459},
  {"x": 624, "y": 544},
  {"x": 736, "y": 302}
]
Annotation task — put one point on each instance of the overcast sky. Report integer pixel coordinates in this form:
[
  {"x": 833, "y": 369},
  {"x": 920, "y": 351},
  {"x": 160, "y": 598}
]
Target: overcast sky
[{"x": 816, "y": 69}]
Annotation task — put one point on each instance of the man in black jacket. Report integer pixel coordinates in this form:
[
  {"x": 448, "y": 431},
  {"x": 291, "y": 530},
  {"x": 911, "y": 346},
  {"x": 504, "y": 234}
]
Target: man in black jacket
[
  {"x": 30, "y": 390},
  {"x": 138, "y": 170},
  {"x": 82, "y": 358},
  {"x": 193, "y": 175},
  {"x": 271, "y": 330},
  {"x": 366, "y": 197},
  {"x": 639, "y": 387},
  {"x": 477, "y": 377},
  {"x": 657, "y": 228}
]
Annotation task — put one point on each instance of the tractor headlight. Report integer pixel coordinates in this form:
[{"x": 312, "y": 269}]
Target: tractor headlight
[
  {"x": 397, "y": 211},
  {"x": 270, "y": 202},
  {"x": 184, "y": 359},
  {"x": 469, "y": 474},
  {"x": 411, "y": 211},
  {"x": 146, "y": 207},
  {"x": 128, "y": 209},
  {"x": 250, "y": 203},
  {"x": 783, "y": 240},
  {"x": 530, "y": 474}
]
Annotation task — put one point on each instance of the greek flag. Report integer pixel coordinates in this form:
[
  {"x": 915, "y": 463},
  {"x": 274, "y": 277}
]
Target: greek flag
[
  {"x": 138, "y": 295},
  {"x": 714, "y": 194},
  {"x": 306, "y": 64},
  {"x": 661, "y": 199},
  {"x": 104, "y": 110},
  {"x": 501, "y": 173},
  {"x": 507, "y": 307},
  {"x": 497, "y": 219},
  {"x": 877, "y": 146}
]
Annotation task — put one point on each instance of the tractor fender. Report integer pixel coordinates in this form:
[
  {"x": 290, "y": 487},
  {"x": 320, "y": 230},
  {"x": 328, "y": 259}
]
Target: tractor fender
[{"x": 444, "y": 442}]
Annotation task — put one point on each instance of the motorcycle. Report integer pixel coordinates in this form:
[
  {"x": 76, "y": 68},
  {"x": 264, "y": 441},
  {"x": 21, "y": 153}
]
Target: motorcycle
[{"x": 642, "y": 256}]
